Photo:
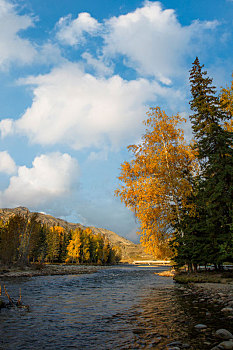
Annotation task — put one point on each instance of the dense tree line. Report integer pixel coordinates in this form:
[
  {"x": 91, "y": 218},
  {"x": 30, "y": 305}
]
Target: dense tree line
[
  {"x": 25, "y": 239},
  {"x": 182, "y": 194}
]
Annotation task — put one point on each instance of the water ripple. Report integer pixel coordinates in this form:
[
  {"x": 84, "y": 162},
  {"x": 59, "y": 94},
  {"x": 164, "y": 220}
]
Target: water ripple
[{"x": 118, "y": 308}]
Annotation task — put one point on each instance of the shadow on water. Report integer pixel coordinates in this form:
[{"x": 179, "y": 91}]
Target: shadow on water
[
  {"x": 119, "y": 308},
  {"x": 168, "y": 315}
]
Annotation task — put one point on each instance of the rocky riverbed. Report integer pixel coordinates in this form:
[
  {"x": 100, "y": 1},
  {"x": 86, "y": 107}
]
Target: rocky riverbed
[
  {"x": 48, "y": 270},
  {"x": 220, "y": 297}
]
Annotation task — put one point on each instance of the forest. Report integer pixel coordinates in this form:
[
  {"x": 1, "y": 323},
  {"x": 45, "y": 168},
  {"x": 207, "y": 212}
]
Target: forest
[
  {"x": 25, "y": 240},
  {"x": 182, "y": 192}
]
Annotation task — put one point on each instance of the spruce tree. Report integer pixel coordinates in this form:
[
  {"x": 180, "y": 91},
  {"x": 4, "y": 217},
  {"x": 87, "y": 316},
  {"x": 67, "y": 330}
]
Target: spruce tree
[{"x": 214, "y": 192}]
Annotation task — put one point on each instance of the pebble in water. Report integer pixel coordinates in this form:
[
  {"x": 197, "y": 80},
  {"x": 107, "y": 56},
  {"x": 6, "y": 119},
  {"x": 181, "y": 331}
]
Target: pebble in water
[
  {"x": 224, "y": 334},
  {"x": 228, "y": 345},
  {"x": 177, "y": 345},
  {"x": 200, "y": 326},
  {"x": 227, "y": 309}
]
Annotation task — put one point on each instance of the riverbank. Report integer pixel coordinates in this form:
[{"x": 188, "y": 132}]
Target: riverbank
[
  {"x": 218, "y": 297},
  {"x": 223, "y": 277},
  {"x": 49, "y": 270},
  {"x": 218, "y": 293}
]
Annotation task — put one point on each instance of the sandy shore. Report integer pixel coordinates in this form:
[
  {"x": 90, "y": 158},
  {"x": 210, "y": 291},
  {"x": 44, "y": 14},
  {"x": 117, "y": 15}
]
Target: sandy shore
[
  {"x": 50, "y": 270},
  {"x": 167, "y": 273}
]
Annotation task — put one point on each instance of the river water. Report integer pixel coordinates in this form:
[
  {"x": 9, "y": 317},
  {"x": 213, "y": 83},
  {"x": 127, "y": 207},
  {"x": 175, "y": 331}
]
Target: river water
[{"x": 123, "y": 307}]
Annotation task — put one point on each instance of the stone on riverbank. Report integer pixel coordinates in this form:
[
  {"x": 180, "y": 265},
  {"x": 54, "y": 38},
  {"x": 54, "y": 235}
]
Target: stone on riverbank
[
  {"x": 227, "y": 344},
  {"x": 224, "y": 334},
  {"x": 227, "y": 309},
  {"x": 177, "y": 345},
  {"x": 200, "y": 326}
]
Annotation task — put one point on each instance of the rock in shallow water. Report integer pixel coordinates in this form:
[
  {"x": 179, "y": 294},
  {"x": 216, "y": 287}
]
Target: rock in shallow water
[
  {"x": 224, "y": 334},
  {"x": 228, "y": 345},
  {"x": 200, "y": 326},
  {"x": 177, "y": 345},
  {"x": 227, "y": 309},
  {"x": 174, "y": 343}
]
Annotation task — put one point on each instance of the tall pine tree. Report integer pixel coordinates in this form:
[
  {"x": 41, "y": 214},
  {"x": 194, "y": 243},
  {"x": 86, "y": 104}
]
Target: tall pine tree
[{"x": 214, "y": 197}]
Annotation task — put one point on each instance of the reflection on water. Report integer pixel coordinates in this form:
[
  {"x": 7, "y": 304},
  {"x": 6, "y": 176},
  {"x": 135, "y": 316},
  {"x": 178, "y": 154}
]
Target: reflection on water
[{"x": 119, "y": 308}]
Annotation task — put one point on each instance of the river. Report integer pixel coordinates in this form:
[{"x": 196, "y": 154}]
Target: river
[{"x": 123, "y": 307}]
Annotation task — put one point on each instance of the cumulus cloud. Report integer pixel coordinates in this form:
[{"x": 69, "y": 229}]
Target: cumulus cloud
[
  {"x": 13, "y": 48},
  {"x": 49, "y": 53},
  {"x": 153, "y": 40},
  {"x": 50, "y": 177},
  {"x": 81, "y": 110},
  {"x": 97, "y": 64},
  {"x": 71, "y": 32},
  {"x": 7, "y": 164},
  {"x": 6, "y": 127}
]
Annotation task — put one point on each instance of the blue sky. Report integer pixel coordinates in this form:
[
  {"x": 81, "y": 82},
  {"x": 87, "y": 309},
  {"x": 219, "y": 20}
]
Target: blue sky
[{"x": 77, "y": 78}]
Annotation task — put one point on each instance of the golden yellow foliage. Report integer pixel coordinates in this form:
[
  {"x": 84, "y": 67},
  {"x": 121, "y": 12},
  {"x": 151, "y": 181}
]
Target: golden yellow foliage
[
  {"x": 58, "y": 229},
  {"x": 156, "y": 182},
  {"x": 73, "y": 248},
  {"x": 226, "y": 99}
]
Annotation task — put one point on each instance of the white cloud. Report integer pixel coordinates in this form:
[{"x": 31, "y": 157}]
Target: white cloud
[
  {"x": 97, "y": 64},
  {"x": 6, "y": 127},
  {"x": 80, "y": 110},
  {"x": 98, "y": 156},
  {"x": 71, "y": 32},
  {"x": 13, "y": 48},
  {"x": 7, "y": 164},
  {"x": 49, "y": 53},
  {"x": 153, "y": 40},
  {"x": 50, "y": 178}
]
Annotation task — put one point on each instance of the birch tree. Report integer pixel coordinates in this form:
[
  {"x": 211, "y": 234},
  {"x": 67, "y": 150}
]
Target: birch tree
[{"x": 156, "y": 182}]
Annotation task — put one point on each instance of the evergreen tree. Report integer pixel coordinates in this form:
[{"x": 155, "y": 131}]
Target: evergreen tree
[
  {"x": 214, "y": 192},
  {"x": 36, "y": 240},
  {"x": 53, "y": 245},
  {"x": 10, "y": 240}
]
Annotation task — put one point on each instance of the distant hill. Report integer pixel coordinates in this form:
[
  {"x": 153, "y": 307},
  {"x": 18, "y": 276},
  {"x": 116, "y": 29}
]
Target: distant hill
[{"x": 129, "y": 250}]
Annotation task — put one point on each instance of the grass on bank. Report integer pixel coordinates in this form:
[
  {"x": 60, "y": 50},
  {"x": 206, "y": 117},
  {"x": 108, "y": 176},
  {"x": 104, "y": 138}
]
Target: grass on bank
[{"x": 204, "y": 277}]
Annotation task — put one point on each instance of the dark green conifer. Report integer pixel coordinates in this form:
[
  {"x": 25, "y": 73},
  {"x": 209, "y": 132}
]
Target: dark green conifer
[{"x": 214, "y": 193}]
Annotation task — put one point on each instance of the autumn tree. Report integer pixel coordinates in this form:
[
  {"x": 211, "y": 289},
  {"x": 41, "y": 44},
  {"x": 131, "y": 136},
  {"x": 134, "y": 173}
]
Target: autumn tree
[
  {"x": 156, "y": 182},
  {"x": 226, "y": 100},
  {"x": 85, "y": 247},
  {"x": 97, "y": 244},
  {"x": 74, "y": 246}
]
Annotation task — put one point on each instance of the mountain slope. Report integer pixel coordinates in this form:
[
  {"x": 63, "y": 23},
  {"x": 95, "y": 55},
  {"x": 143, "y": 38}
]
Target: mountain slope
[{"x": 129, "y": 250}]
